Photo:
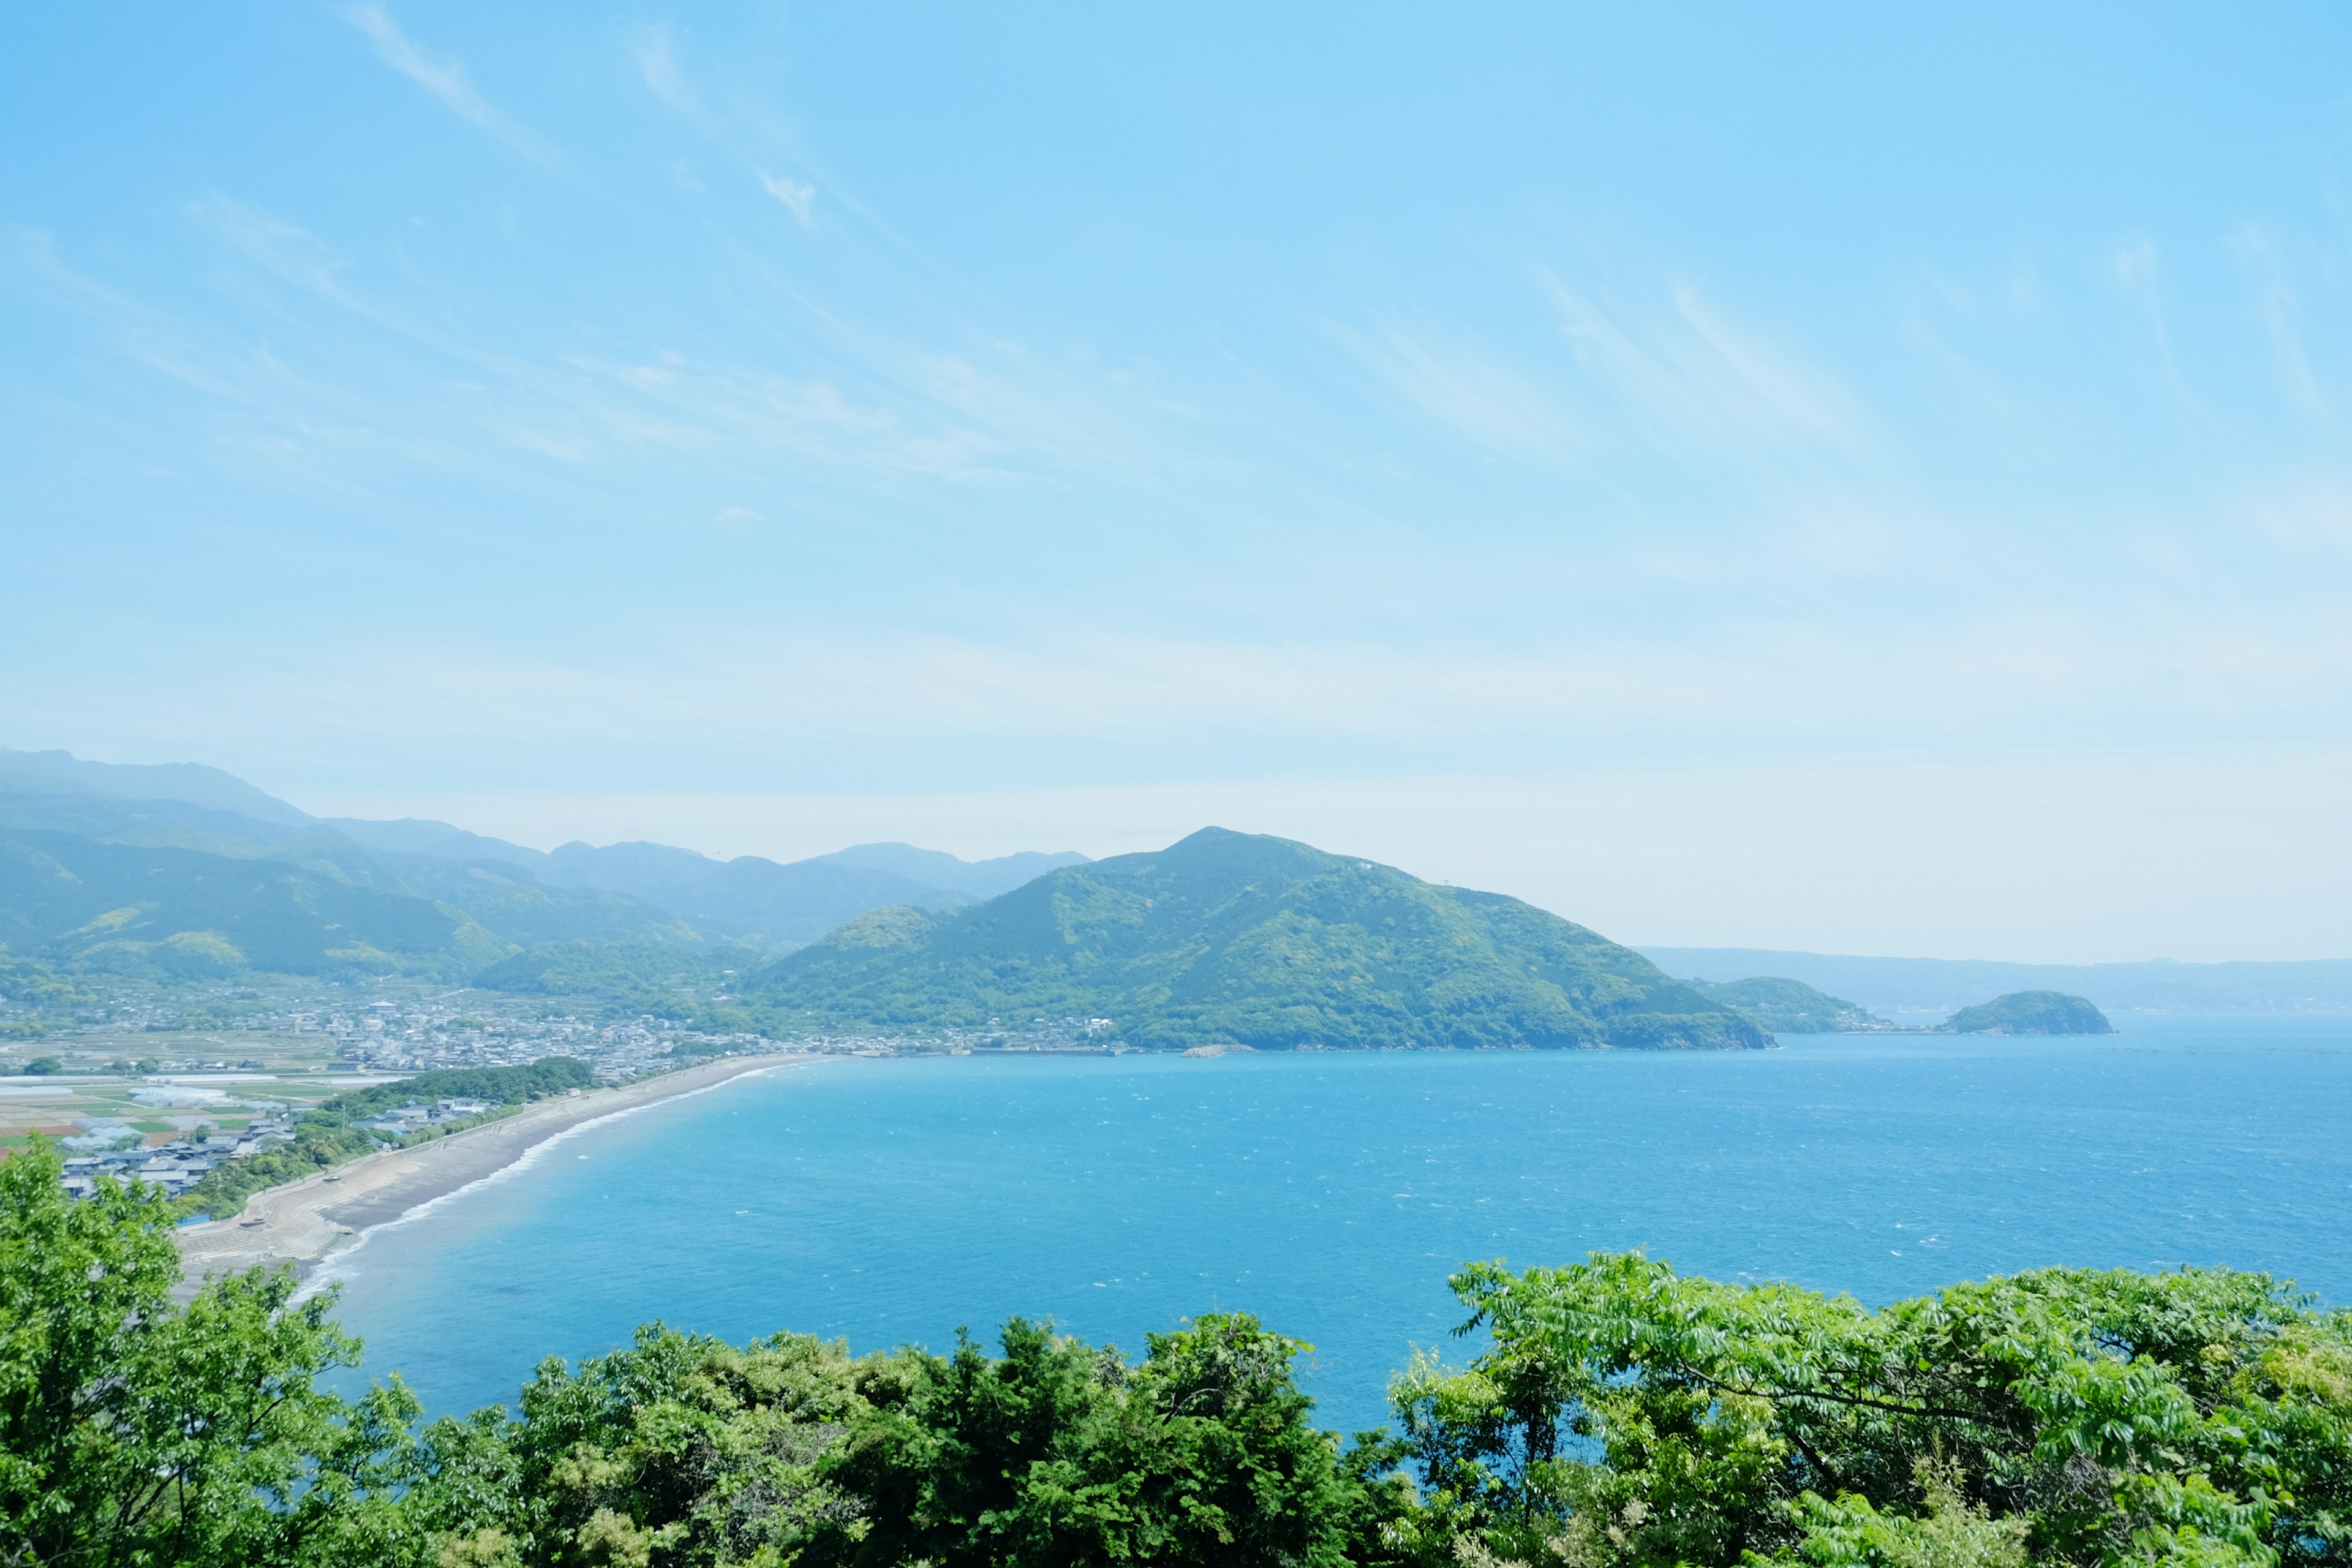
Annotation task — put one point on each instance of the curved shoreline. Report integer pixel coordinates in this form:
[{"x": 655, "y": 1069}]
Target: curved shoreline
[{"x": 304, "y": 1222}]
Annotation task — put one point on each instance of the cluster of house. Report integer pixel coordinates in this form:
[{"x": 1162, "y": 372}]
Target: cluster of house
[
  {"x": 184, "y": 1162},
  {"x": 416, "y": 1118},
  {"x": 175, "y": 1166}
]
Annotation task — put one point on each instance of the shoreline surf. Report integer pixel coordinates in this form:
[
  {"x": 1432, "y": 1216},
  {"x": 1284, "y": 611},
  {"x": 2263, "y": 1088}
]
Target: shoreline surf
[{"x": 307, "y": 1222}]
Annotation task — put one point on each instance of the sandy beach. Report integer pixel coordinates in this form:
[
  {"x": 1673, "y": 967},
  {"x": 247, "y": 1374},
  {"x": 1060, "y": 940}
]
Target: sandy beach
[{"x": 302, "y": 1221}]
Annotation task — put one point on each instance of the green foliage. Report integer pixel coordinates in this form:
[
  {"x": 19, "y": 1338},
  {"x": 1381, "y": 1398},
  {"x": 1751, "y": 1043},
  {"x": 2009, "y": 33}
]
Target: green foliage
[
  {"x": 36, "y": 984},
  {"x": 1230, "y": 938},
  {"x": 43, "y": 1066},
  {"x": 665, "y": 979},
  {"x": 1622, "y": 1416},
  {"x": 2030, "y": 1013},
  {"x": 499, "y": 1086},
  {"x": 133, "y": 1432},
  {"x": 1628, "y": 1415},
  {"x": 30, "y": 982},
  {"x": 320, "y": 1144},
  {"x": 324, "y": 1138},
  {"x": 508, "y": 902},
  {"x": 1949, "y": 1532},
  {"x": 684, "y": 1450},
  {"x": 1790, "y": 1006},
  {"x": 168, "y": 912}
]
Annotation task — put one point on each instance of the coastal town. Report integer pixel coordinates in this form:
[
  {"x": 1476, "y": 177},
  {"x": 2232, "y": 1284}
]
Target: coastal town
[{"x": 163, "y": 1084}]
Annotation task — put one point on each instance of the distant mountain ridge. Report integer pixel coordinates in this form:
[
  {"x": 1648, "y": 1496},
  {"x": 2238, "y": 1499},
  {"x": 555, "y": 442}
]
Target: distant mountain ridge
[
  {"x": 1232, "y": 938},
  {"x": 191, "y": 831},
  {"x": 190, "y": 782}
]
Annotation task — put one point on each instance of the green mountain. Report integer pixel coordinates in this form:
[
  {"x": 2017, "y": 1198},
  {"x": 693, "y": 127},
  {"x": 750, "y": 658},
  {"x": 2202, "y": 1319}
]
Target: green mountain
[
  {"x": 1226, "y": 937},
  {"x": 144, "y": 909},
  {"x": 1791, "y": 1006},
  {"x": 459, "y": 883},
  {"x": 191, "y": 783},
  {"x": 2030, "y": 1013},
  {"x": 510, "y": 903}
]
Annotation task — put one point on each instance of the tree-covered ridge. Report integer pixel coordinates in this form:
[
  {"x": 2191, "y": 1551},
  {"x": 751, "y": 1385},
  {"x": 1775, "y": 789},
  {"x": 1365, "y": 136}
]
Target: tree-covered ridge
[
  {"x": 1229, "y": 937},
  {"x": 667, "y": 981},
  {"x": 180, "y": 912},
  {"x": 218, "y": 878},
  {"x": 1620, "y": 1415},
  {"x": 2030, "y": 1013},
  {"x": 1791, "y": 1006}
]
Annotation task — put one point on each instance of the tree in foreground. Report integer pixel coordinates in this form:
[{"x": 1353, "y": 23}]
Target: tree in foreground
[
  {"x": 136, "y": 1432},
  {"x": 684, "y": 1450},
  {"x": 1626, "y": 1415},
  {"x": 1621, "y": 1416}
]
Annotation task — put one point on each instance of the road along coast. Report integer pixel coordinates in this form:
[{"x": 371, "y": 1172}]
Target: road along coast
[{"x": 302, "y": 1221}]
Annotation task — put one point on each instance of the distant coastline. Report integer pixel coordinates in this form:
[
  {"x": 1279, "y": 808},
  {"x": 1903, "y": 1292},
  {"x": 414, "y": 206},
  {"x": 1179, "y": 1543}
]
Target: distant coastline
[{"x": 305, "y": 1223}]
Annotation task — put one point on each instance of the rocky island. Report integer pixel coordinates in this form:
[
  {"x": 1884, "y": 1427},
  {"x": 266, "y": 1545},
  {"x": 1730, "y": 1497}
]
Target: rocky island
[{"x": 2030, "y": 1013}]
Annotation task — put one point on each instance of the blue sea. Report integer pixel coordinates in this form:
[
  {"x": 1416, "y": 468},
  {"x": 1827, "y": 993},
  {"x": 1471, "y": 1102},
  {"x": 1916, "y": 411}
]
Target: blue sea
[{"x": 893, "y": 1201}]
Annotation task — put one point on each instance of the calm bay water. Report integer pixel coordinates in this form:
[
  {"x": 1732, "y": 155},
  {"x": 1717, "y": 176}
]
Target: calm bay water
[{"x": 891, "y": 1201}]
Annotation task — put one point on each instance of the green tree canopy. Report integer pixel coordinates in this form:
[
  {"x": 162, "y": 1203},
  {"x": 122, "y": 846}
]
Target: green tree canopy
[
  {"x": 1627, "y": 1415},
  {"x": 134, "y": 1432}
]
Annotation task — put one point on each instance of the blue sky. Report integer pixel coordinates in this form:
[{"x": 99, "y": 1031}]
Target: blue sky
[{"x": 1815, "y": 477}]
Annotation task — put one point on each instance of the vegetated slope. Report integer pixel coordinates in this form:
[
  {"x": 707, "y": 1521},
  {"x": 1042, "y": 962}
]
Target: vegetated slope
[
  {"x": 1790, "y": 1006},
  {"x": 1231, "y": 937},
  {"x": 621, "y": 892},
  {"x": 2030, "y": 1013},
  {"x": 190, "y": 782},
  {"x": 436, "y": 840},
  {"x": 695, "y": 984},
  {"x": 180, "y": 911},
  {"x": 748, "y": 899},
  {"x": 55, "y": 807},
  {"x": 510, "y": 903}
]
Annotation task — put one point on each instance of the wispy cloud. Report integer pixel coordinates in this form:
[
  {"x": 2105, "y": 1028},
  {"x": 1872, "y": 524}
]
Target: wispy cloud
[
  {"x": 1695, "y": 379},
  {"x": 2274, "y": 299},
  {"x": 445, "y": 80},
  {"x": 658, "y": 64},
  {"x": 1469, "y": 388},
  {"x": 800, "y": 198},
  {"x": 2135, "y": 266},
  {"x": 285, "y": 250}
]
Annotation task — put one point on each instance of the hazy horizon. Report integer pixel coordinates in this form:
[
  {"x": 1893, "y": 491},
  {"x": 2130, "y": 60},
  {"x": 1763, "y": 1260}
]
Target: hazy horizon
[
  {"x": 1862, "y": 483},
  {"x": 546, "y": 842}
]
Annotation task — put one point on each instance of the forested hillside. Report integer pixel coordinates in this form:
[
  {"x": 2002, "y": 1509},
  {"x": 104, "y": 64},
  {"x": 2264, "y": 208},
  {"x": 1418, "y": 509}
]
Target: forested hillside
[
  {"x": 174, "y": 872},
  {"x": 1227, "y": 937},
  {"x": 1791, "y": 1006},
  {"x": 180, "y": 911}
]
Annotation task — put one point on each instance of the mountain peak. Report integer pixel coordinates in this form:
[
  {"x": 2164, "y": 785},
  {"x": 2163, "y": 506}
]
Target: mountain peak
[
  {"x": 1228, "y": 937},
  {"x": 191, "y": 783}
]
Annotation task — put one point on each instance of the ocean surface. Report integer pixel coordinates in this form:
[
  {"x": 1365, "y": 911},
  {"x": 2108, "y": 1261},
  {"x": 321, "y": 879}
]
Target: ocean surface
[{"x": 1331, "y": 1193}]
